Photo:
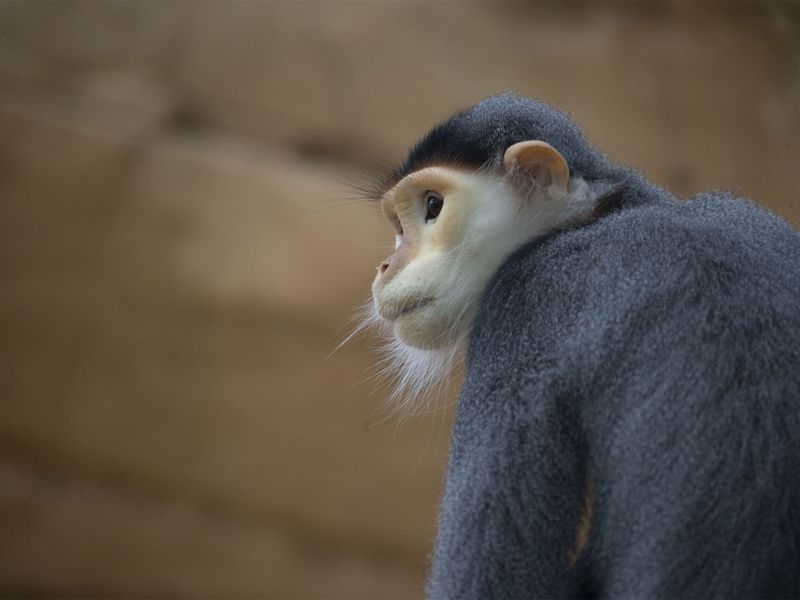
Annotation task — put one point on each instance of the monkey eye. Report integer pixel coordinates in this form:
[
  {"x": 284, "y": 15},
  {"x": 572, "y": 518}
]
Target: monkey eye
[{"x": 433, "y": 203}]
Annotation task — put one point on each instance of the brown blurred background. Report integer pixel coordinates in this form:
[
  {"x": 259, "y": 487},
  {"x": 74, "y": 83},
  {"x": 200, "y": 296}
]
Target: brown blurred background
[{"x": 178, "y": 257}]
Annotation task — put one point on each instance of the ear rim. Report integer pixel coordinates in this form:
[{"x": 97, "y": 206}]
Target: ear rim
[{"x": 536, "y": 153}]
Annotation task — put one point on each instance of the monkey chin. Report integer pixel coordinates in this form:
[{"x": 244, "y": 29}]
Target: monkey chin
[{"x": 424, "y": 328}]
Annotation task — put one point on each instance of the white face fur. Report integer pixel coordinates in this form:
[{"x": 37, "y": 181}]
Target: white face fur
[{"x": 453, "y": 229}]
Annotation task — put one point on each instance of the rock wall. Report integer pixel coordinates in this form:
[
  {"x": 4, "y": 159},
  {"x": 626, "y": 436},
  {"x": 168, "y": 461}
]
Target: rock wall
[{"x": 179, "y": 256}]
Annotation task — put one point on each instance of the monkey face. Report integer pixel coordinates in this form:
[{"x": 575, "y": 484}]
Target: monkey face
[{"x": 453, "y": 229}]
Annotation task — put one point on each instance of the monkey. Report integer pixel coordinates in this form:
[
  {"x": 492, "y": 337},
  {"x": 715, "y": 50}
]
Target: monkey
[{"x": 629, "y": 419}]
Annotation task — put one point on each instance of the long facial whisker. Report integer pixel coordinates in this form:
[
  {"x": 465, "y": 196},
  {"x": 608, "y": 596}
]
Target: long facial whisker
[{"x": 366, "y": 319}]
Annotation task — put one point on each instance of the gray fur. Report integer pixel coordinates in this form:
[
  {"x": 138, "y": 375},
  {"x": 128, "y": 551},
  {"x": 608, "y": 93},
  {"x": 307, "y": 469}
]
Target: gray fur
[{"x": 653, "y": 354}]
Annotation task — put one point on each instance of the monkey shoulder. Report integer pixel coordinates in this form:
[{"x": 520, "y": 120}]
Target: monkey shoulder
[
  {"x": 670, "y": 287},
  {"x": 658, "y": 350},
  {"x": 710, "y": 247}
]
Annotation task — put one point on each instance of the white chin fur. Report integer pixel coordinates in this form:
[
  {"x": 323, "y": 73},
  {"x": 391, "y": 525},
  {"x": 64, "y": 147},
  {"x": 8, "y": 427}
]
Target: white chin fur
[
  {"x": 418, "y": 376},
  {"x": 424, "y": 329}
]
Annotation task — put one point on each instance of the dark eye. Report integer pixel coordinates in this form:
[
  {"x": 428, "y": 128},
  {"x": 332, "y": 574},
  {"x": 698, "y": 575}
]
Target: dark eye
[{"x": 433, "y": 204}]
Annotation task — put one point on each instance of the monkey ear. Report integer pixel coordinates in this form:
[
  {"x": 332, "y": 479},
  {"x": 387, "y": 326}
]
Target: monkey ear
[{"x": 540, "y": 160}]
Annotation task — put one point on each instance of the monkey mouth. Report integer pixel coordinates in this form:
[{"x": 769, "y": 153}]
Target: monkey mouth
[{"x": 406, "y": 308}]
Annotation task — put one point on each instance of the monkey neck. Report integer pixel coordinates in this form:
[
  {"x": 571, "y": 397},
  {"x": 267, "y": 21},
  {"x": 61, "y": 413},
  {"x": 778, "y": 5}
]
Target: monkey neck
[{"x": 631, "y": 190}]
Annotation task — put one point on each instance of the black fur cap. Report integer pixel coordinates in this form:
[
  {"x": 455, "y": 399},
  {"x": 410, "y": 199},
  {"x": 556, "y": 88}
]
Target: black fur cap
[{"x": 479, "y": 136}]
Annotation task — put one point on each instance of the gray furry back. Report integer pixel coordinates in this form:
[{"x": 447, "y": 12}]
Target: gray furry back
[{"x": 647, "y": 363}]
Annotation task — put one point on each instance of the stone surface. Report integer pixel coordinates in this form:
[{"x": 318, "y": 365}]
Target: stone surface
[
  {"x": 171, "y": 305},
  {"x": 140, "y": 544}
]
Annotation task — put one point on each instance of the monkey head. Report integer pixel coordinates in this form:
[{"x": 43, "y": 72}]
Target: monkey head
[
  {"x": 453, "y": 228},
  {"x": 474, "y": 189}
]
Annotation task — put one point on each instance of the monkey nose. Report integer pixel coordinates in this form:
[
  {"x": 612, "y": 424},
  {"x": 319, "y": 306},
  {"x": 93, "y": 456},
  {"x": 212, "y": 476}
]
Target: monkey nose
[{"x": 383, "y": 266}]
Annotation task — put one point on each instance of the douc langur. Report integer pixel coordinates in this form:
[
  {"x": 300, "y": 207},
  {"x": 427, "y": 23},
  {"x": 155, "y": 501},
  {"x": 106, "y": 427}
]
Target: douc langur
[{"x": 629, "y": 421}]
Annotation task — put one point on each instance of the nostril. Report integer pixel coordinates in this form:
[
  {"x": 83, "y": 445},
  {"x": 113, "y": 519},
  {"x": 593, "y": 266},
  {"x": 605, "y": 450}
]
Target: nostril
[{"x": 383, "y": 267}]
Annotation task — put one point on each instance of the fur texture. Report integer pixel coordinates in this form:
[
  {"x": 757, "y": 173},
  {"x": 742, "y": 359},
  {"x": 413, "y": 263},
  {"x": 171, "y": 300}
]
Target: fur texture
[
  {"x": 649, "y": 359},
  {"x": 653, "y": 356}
]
